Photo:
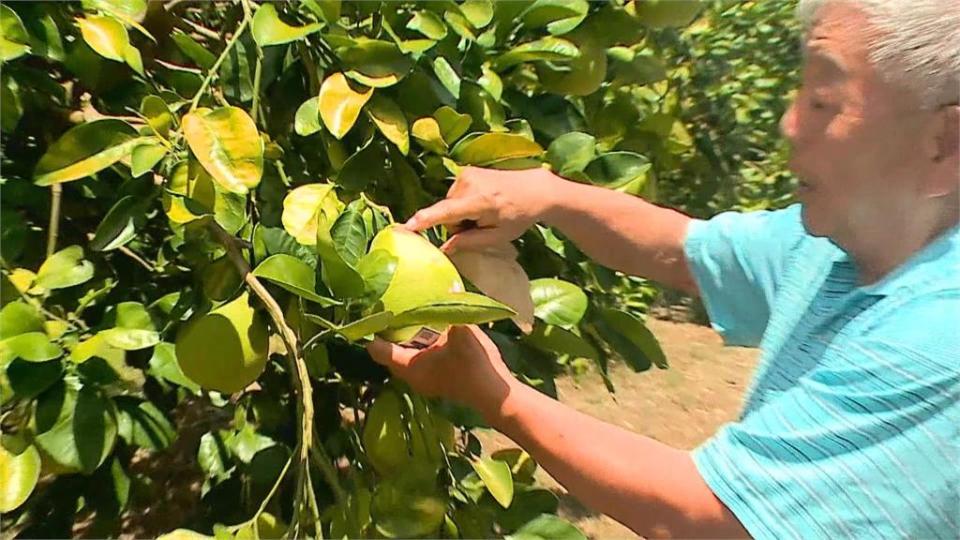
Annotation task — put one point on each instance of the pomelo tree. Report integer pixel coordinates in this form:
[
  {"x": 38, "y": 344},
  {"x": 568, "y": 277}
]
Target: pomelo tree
[{"x": 197, "y": 209}]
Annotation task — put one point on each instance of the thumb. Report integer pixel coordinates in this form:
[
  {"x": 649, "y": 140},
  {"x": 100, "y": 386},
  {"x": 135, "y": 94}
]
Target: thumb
[
  {"x": 473, "y": 239},
  {"x": 392, "y": 356}
]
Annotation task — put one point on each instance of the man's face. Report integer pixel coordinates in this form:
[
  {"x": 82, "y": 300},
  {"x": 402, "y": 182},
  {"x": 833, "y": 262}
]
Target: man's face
[{"x": 850, "y": 130}]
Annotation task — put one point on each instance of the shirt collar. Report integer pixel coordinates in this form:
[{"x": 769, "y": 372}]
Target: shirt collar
[{"x": 937, "y": 261}]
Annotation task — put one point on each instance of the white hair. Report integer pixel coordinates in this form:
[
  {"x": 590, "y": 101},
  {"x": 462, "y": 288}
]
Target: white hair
[{"x": 918, "y": 43}]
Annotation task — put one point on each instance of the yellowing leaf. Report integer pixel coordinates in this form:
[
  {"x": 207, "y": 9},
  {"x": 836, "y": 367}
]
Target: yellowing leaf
[
  {"x": 18, "y": 476},
  {"x": 85, "y": 150},
  {"x": 427, "y": 132},
  {"x": 268, "y": 29},
  {"x": 388, "y": 117},
  {"x": 106, "y": 36},
  {"x": 302, "y": 208},
  {"x": 228, "y": 145},
  {"x": 490, "y": 148},
  {"x": 340, "y": 104}
]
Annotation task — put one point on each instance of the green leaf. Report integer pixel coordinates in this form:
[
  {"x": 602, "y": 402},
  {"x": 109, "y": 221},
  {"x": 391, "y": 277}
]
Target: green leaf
[
  {"x": 451, "y": 123},
  {"x": 522, "y": 466},
  {"x": 390, "y": 120},
  {"x": 571, "y": 152},
  {"x": 496, "y": 476},
  {"x": 581, "y": 76},
  {"x": 163, "y": 365},
  {"x": 19, "y": 318},
  {"x": 328, "y": 10},
  {"x": 548, "y": 527},
  {"x": 617, "y": 169},
  {"x": 19, "y": 474},
  {"x": 490, "y": 148},
  {"x": 375, "y": 62},
  {"x": 228, "y": 145},
  {"x": 145, "y": 156},
  {"x": 30, "y": 379},
  {"x": 555, "y": 339},
  {"x": 213, "y": 455},
  {"x": 63, "y": 269},
  {"x": 558, "y": 302},
  {"x": 447, "y": 75},
  {"x": 119, "y": 226},
  {"x": 86, "y": 149},
  {"x": 273, "y": 240},
  {"x": 158, "y": 114},
  {"x": 14, "y": 40},
  {"x": 129, "y": 339},
  {"x": 478, "y": 12},
  {"x": 364, "y": 167},
  {"x": 377, "y": 269},
  {"x": 268, "y": 29},
  {"x": 349, "y": 234},
  {"x": 11, "y": 103},
  {"x": 559, "y": 16},
  {"x": 307, "y": 119},
  {"x": 141, "y": 423},
  {"x": 133, "y": 10},
  {"x": 528, "y": 504},
  {"x": 247, "y": 442},
  {"x": 106, "y": 36},
  {"x": 294, "y": 276},
  {"x": 455, "y": 308},
  {"x": 340, "y": 104},
  {"x": 366, "y": 326},
  {"x": 459, "y": 24},
  {"x": 193, "y": 50},
  {"x": 549, "y": 49},
  {"x": 75, "y": 429},
  {"x": 668, "y": 13},
  {"x": 637, "y": 334},
  {"x": 407, "y": 505},
  {"x": 32, "y": 347},
  {"x": 428, "y": 24}
]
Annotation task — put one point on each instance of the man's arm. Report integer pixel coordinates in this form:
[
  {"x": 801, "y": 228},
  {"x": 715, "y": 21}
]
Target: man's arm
[
  {"x": 624, "y": 233},
  {"x": 617, "y": 230},
  {"x": 652, "y": 488}
]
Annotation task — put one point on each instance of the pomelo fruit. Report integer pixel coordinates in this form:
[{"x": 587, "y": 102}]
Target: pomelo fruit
[
  {"x": 423, "y": 275},
  {"x": 225, "y": 349},
  {"x": 384, "y": 436}
]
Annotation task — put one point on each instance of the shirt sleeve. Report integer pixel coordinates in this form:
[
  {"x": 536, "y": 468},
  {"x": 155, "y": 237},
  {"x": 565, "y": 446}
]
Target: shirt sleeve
[
  {"x": 865, "y": 445},
  {"x": 737, "y": 260}
]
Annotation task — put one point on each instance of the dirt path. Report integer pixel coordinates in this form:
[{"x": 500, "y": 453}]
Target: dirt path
[{"x": 681, "y": 406}]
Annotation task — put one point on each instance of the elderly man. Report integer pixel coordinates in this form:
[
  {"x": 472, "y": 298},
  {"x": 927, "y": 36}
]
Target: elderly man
[{"x": 851, "y": 426}]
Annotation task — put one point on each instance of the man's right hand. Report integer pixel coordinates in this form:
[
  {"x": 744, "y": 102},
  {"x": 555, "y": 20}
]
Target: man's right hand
[{"x": 488, "y": 207}]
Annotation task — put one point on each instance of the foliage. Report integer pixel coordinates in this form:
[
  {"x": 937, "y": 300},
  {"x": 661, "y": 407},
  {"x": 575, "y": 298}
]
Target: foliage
[
  {"x": 734, "y": 73},
  {"x": 207, "y": 179}
]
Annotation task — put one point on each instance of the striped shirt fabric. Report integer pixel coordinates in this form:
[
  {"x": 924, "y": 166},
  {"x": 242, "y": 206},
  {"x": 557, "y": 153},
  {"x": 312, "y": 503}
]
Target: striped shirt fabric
[{"x": 851, "y": 426}]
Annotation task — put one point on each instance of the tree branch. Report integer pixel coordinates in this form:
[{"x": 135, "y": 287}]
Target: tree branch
[{"x": 56, "y": 190}]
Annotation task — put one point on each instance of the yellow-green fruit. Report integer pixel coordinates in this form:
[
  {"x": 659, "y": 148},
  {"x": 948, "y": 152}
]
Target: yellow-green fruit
[
  {"x": 383, "y": 434},
  {"x": 225, "y": 349},
  {"x": 423, "y": 274}
]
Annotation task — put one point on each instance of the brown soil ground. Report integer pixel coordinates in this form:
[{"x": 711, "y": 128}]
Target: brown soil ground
[{"x": 681, "y": 406}]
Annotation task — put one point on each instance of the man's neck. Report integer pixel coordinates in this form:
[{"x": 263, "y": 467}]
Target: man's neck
[{"x": 881, "y": 249}]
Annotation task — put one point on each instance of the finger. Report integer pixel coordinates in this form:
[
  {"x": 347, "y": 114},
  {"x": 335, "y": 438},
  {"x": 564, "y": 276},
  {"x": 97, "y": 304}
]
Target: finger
[
  {"x": 390, "y": 355},
  {"x": 474, "y": 239},
  {"x": 447, "y": 211}
]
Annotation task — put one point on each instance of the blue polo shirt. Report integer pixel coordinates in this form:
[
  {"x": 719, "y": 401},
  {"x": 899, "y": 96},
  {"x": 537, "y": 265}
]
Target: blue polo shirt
[{"x": 850, "y": 427}]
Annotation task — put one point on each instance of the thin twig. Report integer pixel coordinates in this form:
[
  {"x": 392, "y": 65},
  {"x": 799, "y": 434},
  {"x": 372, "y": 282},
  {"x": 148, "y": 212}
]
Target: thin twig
[
  {"x": 323, "y": 462},
  {"x": 56, "y": 190},
  {"x": 202, "y": 30},
  {"x": 216, "y": 65}
]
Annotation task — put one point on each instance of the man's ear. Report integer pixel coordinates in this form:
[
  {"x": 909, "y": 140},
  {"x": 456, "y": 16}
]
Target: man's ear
[{"x": 945, "y": 151}]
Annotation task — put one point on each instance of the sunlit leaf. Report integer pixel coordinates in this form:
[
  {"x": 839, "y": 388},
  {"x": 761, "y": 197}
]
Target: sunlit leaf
[
  {"x": 490, "y": 148},
  {"x": 19, "y": 474},
  {"x": 496, "y": 476},
  {"x": 268, "y": 29},
  {"x": 228, "y": 145},
  {"x": 544, "y": 49},
  {"x": 340, "y": 104},
  {"x": 86, "y": 149},
  {"x": 558, "y": 302},
  {"x": 64, "y": 268},
  {"x": 294, "y": 276},
  {"x": 390, "y": 120},
  {"x": 306, "y": 121},
  {"x": 14, "y": 41}
]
